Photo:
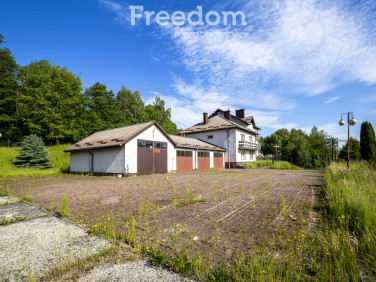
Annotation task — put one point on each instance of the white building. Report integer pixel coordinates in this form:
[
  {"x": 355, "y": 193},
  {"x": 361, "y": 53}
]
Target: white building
[
  {"x": 237, "y": 134},
  {"x": 142, "y": 148}
]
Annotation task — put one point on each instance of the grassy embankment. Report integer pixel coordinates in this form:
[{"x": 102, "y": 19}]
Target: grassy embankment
[
  {"x": 59, "y": 160},
  {"x": 351, "y": 206},
  {"x": 269, "y": 164}
]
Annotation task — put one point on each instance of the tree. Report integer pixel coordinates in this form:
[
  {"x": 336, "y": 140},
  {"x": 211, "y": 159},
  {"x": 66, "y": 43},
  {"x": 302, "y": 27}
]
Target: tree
[
  {"x": 50, "y": 101},
  {"x": 132, "y": 106},
  {"x": 158, "y": 112},
  {"x": 298, "y": 148},
  {"x": 319, "y": 147},
  {"x": 8, "y": 94},
  {"x": 102, "y": 109},
  {"x": 367, "y": 141},
  {"x": 354, "y": 150},
  {"x": 32, "y": 154}
]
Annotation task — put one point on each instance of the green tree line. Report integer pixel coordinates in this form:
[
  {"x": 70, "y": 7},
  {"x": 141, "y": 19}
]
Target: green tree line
[
  {"x": 313, "y": 150},
  {"x": 49, "y": 101}
]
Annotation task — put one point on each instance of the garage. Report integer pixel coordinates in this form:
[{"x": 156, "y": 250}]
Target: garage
[
  {"x": 218, "y": 160},
  {"x": 184, "y": 161},
  {"x": 151, "y": 157},
  {"x": 203, "y": 160}
]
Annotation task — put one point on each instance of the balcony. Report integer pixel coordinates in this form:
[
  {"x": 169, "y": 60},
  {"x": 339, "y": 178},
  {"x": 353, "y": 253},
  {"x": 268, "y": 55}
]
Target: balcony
[{"x": 246, "y": 145}]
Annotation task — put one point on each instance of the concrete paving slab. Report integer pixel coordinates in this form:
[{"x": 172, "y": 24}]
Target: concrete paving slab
[
  {"x": 8, "y": 200},
  {"x": 141, "y": 271},
  {"x": 20, "y": 210},
  {"x": 29, "y": 249}
]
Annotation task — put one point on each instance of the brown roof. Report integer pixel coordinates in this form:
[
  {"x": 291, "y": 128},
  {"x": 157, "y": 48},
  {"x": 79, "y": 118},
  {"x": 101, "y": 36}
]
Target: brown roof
[
  {"x": 194, "y": 143},
  {"x": 250, "y": 120},
  {"x": 113, "y": 137},
  {"x": 215, "y": 123}
]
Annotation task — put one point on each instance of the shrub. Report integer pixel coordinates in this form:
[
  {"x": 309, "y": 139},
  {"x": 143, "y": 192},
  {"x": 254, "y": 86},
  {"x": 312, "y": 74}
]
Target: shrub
[{"x": 33, "y": 154}]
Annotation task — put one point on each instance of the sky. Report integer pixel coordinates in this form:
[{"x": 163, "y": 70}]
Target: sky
[{"x": 290, "y": 64}]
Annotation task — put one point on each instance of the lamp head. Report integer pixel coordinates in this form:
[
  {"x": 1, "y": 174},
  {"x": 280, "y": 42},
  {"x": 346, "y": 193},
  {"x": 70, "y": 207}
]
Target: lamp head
[
  {"x": 341, "y": 122},
  {"x": 352, "y": 121}
]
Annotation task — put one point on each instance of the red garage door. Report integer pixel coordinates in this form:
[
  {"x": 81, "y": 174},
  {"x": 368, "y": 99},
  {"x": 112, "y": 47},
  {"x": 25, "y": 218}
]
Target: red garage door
[
  {"x": 203, "y": 160},
  {"x": 151, "y": 157},
  {"x": 184, "y": 161},
  {"x": 218, "y": 160}
]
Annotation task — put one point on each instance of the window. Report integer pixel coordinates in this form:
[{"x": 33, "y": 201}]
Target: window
[
  {"x": 149, "y": 144},
  {"x": 157, "y": 145},
  {"x": 242, "y": 137},
  {"x": 184, "y": 153},
  {"x": 203, "y": 154},
  {"x": 141, "y": 143},
  {"x": 217, "y": 155},
  {"x": 250, "y": 139},
  {"x": 210, "y": 136},
  {"x": 163, "y": 145},
  {"x": 242, "y": 155},
  {"x": 188, "y": 153}
]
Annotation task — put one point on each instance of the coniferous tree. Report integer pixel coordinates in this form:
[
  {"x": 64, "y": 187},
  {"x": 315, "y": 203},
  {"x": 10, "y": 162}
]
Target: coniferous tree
[
  {"x": 33, "y": 154},
  {"x": 367, "y": 141}
]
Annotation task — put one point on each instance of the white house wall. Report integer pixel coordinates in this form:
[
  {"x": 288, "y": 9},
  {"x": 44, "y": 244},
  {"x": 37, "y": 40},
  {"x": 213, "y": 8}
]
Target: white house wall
[
  {"x": 219, "y": 139},
  {"x": 248, "y": 153},
  {"x": 153, "y": 133}
]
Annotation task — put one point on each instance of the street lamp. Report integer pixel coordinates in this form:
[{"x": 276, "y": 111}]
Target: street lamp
[
  {"x": 351, "y": 121},
  {"x": 276, "y": 151}
]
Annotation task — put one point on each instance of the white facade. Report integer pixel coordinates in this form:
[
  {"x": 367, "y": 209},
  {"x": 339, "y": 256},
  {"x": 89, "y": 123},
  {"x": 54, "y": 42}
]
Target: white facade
[
  {"x": 153, "y": 133},
  {"x": 229, "y": 139}
]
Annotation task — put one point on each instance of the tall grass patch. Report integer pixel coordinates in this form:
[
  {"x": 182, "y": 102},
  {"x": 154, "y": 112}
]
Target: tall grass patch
[{"x": 351, "y": 204}]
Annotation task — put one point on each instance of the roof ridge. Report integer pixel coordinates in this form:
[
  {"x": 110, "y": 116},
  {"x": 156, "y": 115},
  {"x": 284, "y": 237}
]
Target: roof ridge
[{"x": 150, "y": 121}]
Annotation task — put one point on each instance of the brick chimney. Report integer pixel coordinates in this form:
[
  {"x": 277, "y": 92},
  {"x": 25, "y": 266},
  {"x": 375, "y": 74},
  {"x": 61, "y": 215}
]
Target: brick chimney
[
  {"x": 240, "y": 113},
  {"x": 205, "y": 118},
  {"x": 228, "y": 114}
]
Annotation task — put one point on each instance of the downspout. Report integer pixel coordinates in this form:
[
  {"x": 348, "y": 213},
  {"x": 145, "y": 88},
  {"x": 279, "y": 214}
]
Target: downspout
[
  {"x": 91, "y": 162},
  {"x": 228, "y": 147},
  {"x": 196, "y": 159}
]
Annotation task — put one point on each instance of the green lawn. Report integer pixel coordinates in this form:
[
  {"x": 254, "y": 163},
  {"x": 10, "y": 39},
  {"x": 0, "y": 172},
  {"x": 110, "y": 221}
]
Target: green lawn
[
  {"x": 269, "y": 164},
  {"x": 59, "y": 160}
]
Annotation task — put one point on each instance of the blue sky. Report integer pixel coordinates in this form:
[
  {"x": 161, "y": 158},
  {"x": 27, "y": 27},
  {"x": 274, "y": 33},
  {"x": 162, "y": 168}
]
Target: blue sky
[{"x": 294, "y": 64}]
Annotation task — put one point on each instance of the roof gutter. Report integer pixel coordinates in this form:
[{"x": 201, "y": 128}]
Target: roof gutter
[
  {"x": 94, "y": 148},
  {"x": 198, "y": 148}
]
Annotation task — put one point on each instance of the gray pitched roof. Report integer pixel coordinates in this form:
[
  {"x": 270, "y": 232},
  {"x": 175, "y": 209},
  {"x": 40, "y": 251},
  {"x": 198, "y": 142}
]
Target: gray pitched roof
[
  {"x": 113, "y": 137},
  {"x": 215, "y": 123},
  {"x": 194, "y": 143}
]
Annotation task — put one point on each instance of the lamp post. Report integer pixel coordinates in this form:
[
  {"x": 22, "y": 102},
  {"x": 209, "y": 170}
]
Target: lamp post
[
  {"x": 351, "y": 122},
  {"x": 276, "y": 151}
]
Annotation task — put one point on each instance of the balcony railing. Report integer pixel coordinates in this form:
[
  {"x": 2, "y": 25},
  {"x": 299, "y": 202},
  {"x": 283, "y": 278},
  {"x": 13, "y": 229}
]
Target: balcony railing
[{"x": 249, "y": 145}]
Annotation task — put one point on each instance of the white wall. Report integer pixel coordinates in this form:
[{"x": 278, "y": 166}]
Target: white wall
[
  {"x": 153, "y": 133},
  {"x": 220, "y": 140},
  {"x": 247, "y": 152},
  {"x": 105, "y": 160}
]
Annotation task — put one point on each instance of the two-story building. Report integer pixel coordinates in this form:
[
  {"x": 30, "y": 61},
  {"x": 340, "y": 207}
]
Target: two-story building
[{"x": 237, "y": 134}]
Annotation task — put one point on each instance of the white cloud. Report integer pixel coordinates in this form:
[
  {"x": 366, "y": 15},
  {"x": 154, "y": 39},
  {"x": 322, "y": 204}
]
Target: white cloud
[
  {"x": 330, "y": 100},
  {"x": 155, "y": 92}
]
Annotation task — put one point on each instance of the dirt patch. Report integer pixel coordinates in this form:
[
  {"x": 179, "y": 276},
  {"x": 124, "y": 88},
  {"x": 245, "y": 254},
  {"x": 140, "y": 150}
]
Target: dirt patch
[{"x": 110, "y": 200}]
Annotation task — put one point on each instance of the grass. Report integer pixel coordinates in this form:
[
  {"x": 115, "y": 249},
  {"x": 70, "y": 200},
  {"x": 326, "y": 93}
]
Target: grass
[
  {"x": 59, "y": 160},
  {"x": 269, "y": 164},
  {"x": 351, "y": 205},
  {"x": 333, "y": 247}
]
